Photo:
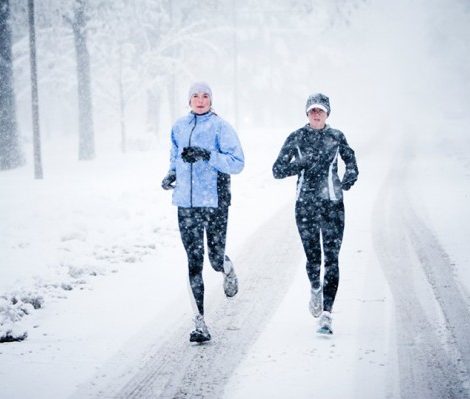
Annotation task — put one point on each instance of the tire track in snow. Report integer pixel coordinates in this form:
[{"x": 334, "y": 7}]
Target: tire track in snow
[
  {"x": 432, "y": 316},
  {"x": 178, "y": 369},
  {"x": 440, "y": 274}
]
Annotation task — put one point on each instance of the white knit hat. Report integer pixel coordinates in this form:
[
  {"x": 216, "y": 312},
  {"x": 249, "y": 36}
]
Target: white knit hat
[{"x": 199, "y": 87}]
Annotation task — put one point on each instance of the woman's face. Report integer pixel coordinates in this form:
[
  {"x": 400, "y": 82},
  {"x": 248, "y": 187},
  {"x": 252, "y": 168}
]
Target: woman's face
[
  {"x": 317, "y": 118},
  {"x": 200, "y": 103}
]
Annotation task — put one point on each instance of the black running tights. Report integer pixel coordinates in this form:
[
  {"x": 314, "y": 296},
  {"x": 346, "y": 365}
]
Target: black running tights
[
  {"x": 325, "y": 218},
  {"x": 192, "y": 224}
]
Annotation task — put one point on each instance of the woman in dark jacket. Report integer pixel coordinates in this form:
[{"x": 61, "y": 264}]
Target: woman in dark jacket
[
  {"x": 311, "y": 153},
  {"x": 205, "y": 151}
]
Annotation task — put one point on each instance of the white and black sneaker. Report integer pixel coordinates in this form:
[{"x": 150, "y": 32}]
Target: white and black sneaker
[
  {"x": 325, "y": 324},
  {"x": 316, "y": 302},
  {"x": 230, "y": 278},
  {"x": 200, "y": 333}
]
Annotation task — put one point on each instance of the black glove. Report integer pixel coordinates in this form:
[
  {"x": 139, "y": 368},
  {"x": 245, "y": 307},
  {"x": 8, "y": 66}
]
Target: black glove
[
  {"x": 345, "y": 185},
  {"x": 194, "y": 154},
  {"x": 349, "y": 178},
  {"x": 168, "y": 179}
]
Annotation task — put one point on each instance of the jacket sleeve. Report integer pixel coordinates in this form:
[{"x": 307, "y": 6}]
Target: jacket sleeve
[
  {"x": 351, "y": 172},
  {"x": 229, "y": 157},
  {"x": 287, "y": 162}
]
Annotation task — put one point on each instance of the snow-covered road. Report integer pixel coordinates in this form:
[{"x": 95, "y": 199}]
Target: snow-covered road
[
  {"x": 432, "y": 313},
  {"x": 266, "y": 272},
  {"x": 400, "y": 319}
]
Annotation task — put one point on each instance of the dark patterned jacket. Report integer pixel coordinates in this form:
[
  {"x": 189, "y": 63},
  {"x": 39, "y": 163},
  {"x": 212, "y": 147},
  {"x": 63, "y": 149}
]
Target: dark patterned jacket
[{"x": 313, "y": 156}]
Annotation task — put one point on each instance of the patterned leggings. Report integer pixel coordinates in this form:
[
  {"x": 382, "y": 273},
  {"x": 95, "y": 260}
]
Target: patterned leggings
[
  {"x": 323, "y": 218},
  {"x": 192, "y": 224}
]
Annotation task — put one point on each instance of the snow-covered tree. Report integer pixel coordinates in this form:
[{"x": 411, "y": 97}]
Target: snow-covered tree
[
  {"x": 38, "y": 174},
  {"x": 86, "y": 134},
  {"x": 138, "y": 54},
  {"x": 142, "y": 55},
  {"x": 10, "y": 153}
]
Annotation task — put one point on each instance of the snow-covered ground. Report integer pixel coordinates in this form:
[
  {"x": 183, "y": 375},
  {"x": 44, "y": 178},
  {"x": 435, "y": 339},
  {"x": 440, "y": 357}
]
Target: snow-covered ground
[{"x": 103, "y": 258}]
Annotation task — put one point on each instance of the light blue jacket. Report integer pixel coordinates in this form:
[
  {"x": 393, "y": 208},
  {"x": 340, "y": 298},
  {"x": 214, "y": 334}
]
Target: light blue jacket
[{"x": 196, "y": 184}]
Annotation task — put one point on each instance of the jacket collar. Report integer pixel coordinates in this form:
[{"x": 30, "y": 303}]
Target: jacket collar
[
  {"x": 202, "y": 117},
  {"x": 310, "y": 129}
]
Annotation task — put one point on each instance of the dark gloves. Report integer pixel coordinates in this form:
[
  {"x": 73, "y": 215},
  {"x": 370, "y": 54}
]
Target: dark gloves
[
  {"x": 346, "y": 185},
  {"x": 349, "y": 178},
  {"x": 194, "y": 154},
  {"x": 168, "y": 180}
]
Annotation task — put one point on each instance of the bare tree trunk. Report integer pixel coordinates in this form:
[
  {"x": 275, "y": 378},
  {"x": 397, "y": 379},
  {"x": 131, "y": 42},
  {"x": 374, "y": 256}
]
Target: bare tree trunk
[
  {"x": 235, "y": 66},
  {"x": 153, "y": 110},
  {"x": 122, "y": 106},
  {"x": 38, "y": 174},
  {"x": 10, "y": 153},
  {"x": 85, "y": 121},
  {"x": 171, "y": 87}
]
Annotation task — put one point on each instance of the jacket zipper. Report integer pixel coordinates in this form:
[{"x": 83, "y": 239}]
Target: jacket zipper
[{"x": 191, "y": 165}]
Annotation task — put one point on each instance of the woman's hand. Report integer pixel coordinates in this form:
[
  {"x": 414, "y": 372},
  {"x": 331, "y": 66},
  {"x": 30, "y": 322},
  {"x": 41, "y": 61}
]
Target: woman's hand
[
  {"x": 194, "y": 154},
  {"x": 168, "y": 180}
]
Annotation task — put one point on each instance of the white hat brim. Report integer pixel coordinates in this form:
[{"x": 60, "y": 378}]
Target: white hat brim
[{"x": 322, "y": 107}]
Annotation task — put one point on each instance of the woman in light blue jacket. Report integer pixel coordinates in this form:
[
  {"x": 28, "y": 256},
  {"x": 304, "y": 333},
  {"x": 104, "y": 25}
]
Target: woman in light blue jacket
[{"x": 205, "y": 151}]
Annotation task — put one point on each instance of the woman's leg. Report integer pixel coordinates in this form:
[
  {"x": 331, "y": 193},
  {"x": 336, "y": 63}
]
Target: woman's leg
[
  {"x": 191, "y": 226},
  {"x": 309, "y": 230},
  {"x": 217, "y": 219},
  {"x": 332, "y": 234}
]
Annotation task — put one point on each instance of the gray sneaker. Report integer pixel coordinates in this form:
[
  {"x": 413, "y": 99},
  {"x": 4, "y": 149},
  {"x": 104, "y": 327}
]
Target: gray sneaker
[
  {"x": 201, "y": 332},
  {"x": 230, "y": 278},
  {"x": 316, "y": 301},
  {"x": 325, "y": 324}
]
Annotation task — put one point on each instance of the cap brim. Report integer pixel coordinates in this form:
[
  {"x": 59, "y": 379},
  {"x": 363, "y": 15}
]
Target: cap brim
[{"x": 322, "y": 107}]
